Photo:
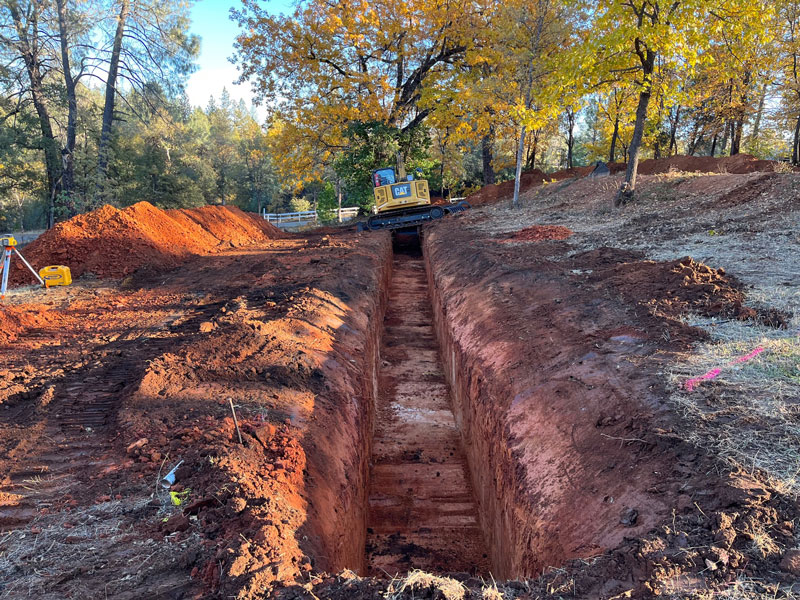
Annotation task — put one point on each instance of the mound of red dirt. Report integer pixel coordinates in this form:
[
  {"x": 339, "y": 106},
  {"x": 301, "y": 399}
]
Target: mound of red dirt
[
  {"x": 110, "y": 242},
  {"x": 738, "y": 164},
  {"x": 230, "y": 225},
  {"x": 489, "y": 194},
  {"x": 674, "y": 288},
  {"x": 538, "y": 233}
]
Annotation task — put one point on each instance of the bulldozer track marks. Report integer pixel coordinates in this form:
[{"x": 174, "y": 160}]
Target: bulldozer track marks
[{"x": 76, "y": 435}]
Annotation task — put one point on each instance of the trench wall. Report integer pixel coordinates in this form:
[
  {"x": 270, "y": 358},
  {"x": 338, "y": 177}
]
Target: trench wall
[
  {"x": 542, "y": 391},
  {"x": 484, "y": 436},
  {"x": 339, "y": 442}
]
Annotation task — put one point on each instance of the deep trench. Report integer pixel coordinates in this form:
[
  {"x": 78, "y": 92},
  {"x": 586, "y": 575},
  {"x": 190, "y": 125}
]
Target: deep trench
[{"x": 422, "y": 512}]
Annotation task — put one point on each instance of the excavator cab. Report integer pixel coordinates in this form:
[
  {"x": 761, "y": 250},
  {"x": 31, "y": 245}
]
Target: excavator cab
[{"x": 383, "y": 177}]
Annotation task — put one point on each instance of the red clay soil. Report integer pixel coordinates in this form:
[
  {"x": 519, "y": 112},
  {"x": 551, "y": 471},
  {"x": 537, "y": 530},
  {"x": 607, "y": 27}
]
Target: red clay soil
[
  {"x": 738, "y": 164},
  {"x": 110, "y": 242},
  {"x": 556, "y": 358},
  {"x": 492, "y": 193},
  {"x": 15, "y": 320},
  {"x": 294, "y": 353},
  {"x": 98, "y": 408},
  {"x": 538, "y": 233}
]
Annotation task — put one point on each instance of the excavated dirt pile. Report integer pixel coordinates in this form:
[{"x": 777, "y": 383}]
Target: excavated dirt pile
[
  {"x": 110, "y": 242},
  {"x": 537, "y": 233},
  {"x": 674, "y": 288}
]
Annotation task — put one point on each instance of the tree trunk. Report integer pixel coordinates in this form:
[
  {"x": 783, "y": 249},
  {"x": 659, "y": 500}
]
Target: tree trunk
[
  {"x": 626, "y": 192},
  {"x": 518, "y": 171},
  {"x": 111, "y": 96},
  {"x": 612, "y": 155},
  {"x": 68, "y": 181},
  {"x": 796, "y": 143},
  {"x": 487, "y": 151},
  {"x": 714, "y": 144},
  {"x": 401, "y": 166},
  {"x": 724, "y": 139},
  {"x": 673, "y": 133},
  {"x": 759, "y": 115},
  {"x": 339, "y": 198},
  {"x": 533, "y": 148},
  {"x": 737, "y": 128},
  {"x": 693, "y": 138},
  {"x": 29, "y": 49},
  {"x": 570, "y": 137}
]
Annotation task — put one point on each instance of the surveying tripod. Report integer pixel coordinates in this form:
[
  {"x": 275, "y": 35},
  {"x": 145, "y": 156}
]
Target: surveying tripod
[{"x": 9, "y": 246}]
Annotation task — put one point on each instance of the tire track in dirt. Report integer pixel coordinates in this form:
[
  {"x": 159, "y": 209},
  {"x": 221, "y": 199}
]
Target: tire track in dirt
[
  {"x": 73, "y": 441},
  {"x": 422, "y": 513}
]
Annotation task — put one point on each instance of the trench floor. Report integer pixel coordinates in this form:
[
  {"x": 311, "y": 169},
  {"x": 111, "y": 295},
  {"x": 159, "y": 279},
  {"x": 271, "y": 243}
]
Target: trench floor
[{"x": 422, "y": 513}]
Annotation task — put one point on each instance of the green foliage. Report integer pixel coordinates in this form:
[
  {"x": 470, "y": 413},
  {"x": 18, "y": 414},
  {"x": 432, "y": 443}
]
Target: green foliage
[
  {"x": 374, "y": 145},
  {"x": 327, "y": 203},
  {"x": 353, "y": 90},
  {"x": 299, "y": 204}
]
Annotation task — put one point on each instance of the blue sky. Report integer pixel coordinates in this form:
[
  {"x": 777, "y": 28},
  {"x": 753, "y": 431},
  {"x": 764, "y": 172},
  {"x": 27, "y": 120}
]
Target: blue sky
[{"x": 211, "y": 21}]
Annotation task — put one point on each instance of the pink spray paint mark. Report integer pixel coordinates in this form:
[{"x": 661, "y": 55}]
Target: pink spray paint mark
[{"x": 694, "y": 381}]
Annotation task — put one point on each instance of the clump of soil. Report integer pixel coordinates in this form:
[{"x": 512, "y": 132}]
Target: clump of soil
[
  {"x": 110, "y": 242},
  {"x": 670, "y": 289},
  {"x": 15, "y": 320},
  {"x": 538, "y": 233}
]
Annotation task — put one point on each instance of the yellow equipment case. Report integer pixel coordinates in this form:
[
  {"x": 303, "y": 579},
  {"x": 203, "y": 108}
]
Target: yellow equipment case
[{"x": 56, "y": 275}]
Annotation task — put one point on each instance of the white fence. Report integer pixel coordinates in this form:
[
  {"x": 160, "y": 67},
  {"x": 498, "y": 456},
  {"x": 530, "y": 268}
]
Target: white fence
[{"x": 306, "y": 218}]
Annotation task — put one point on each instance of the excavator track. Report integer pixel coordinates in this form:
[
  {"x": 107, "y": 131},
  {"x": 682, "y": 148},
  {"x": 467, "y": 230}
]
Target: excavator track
[{"x": 400, "y": 219}]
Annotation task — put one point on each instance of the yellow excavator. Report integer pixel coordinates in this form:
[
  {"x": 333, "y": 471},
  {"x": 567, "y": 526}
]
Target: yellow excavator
[{"x": 403, "y": 204}]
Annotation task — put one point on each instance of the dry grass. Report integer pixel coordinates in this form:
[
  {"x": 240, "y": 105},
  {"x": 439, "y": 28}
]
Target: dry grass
[
  {"x": 421, "y": 584},
  {"x": 417, "y": 580},
  {"x": 749, "y": 415},
  {"x": 783, "y": 167},
  {"x": 63, "y": 554},
  {"x": 745, "y": 589}
]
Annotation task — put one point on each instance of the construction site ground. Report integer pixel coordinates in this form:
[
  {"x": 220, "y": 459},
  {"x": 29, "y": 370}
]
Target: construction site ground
[{"x": 558, "y": 400}]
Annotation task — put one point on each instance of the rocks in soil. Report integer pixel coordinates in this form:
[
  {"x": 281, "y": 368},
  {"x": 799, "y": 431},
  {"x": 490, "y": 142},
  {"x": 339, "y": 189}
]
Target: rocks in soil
[
  {"x": 629, "y": 517},
  {"x": 177, "y": 522},
  {"x": 134, "y": 449}
]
